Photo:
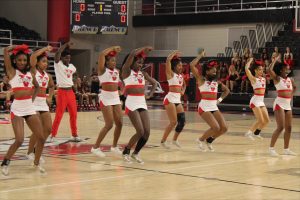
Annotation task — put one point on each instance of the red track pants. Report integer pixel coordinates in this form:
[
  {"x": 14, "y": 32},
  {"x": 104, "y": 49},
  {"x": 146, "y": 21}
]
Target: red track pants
[{"x": 65, "y": 99}]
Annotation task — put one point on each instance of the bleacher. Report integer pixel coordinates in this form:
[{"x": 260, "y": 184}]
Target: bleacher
[
  {"x": 285, "y": 38},
  {"x": 19, "y": 32},
  {"x": 14, "y": 34}
]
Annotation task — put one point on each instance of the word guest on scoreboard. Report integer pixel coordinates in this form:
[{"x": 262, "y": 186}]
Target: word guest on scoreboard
[{"x": 99, "y": 17}]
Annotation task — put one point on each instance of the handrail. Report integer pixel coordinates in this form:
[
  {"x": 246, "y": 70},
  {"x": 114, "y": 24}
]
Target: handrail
[{"x": 160, "y": 7}]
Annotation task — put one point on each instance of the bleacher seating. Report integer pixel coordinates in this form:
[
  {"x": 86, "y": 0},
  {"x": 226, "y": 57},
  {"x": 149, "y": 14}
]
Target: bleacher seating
[
  {"x": 18, "y": 32},
  {"x": 285, "y": 38}
]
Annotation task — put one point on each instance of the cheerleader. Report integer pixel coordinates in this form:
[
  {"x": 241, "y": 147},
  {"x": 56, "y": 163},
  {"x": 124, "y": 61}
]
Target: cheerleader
[
  {"x": 257, "y": 104},
  {"x": 285, "y": 88},
  {"x": 42, "y": 102},
  {"x": 172, "y": 100},
  {"x": 207, "y": 107},
  {"x": 25, "y": 88},
  {"x": 110, "y": 103},
  {"x": 135, "y": 105}
]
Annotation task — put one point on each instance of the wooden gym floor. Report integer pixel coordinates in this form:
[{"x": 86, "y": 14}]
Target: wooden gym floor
[{"x": 238, "y": 169}]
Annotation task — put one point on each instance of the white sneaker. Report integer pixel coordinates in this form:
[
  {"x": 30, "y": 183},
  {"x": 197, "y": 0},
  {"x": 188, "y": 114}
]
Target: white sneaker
[
  {"x": 273, "y": 152},
  {"x": 40, "y": 168},
  {"x": 164, "y": 145},
  {"x": 289, "y": 152},
  {"x": 258, "y": 136},
  {"x": 42, "y": 160},
  {"x": 176, "y": 143},
  {"x": 137, "y": 158},
  {"x": 30, "y": 156},
  {"x": 4, "y": 170},
  {"x": 210, "y": 147},
  {"x": 126, "y": 158},
  {"x": 116, "y": 150},
  {"x": 250, "y": 135},
  {"x": 98, "y": 152},
  {"x": 201, "y": 145}
]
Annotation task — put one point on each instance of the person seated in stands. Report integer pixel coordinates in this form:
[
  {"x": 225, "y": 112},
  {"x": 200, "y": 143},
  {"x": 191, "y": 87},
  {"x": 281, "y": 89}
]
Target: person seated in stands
[
  {"x": 235, "y": 58},
  {"x": 247, "y": 54},
  {"x": 86, "y": 92},
  {"x": 243, "y": 80},
  {"x": 288, "y": 58},
  {"x": 186, "y": 78},
  {"x": 78, "y": 89},
  {"x": 122, "y": 93},
  {"x": 4, "y": 85},
  {"x": 265, "y": 57},
  {"x": 5, "y": 91},
  {"x": 276, "y": 54},
  {"x": 233, "y": 76},
  {"x": 223, "y": 73},
  {"x": 95, "y": 86}
]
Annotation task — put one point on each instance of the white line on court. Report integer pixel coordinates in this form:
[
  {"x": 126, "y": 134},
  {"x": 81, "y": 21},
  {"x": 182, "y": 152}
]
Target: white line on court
[
  {"x": 130, "y": 175},
  {"x": 73, "y": 182},
  {"x": 221, "y": 163}
]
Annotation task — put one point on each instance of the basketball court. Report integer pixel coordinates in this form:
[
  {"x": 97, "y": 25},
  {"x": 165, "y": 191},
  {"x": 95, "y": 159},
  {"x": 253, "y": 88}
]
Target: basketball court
[{"x": 238, "y": 169}]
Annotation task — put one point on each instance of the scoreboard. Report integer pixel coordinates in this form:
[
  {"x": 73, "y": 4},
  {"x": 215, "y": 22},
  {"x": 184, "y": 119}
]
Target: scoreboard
[{"x": 99, "y": 17}]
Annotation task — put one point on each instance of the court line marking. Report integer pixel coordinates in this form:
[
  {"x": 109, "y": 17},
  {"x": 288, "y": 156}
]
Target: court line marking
[
  {"x": 195, "y": 176},
  {"x": 155, "y": 171},
  {"x": 72, "y": 182}
]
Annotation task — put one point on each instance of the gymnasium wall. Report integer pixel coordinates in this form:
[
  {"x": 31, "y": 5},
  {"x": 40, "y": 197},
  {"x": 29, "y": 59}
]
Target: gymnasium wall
[
  {"x": 213, "y": 38},
  {"x": 29, "y": 13}
]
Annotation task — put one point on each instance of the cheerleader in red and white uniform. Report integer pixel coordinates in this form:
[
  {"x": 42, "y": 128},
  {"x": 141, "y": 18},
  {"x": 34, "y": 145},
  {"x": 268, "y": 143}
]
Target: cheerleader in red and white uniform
[
  {"x": 25, "y": 88},
  {"x": 286, "y": 88},
  {"x": 110, "y": 103},
  {"x": 257, "y": 104},
  {"x": 172, "y": 100},
  {"x": 39, "y": 64},
  {"x": 207, "y": 107},
  {"x": 135, "y": 105}
]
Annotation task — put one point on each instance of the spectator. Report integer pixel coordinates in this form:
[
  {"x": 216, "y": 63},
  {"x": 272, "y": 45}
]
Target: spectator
[
  {"x": 276, "y": 54},
  {"x": 186, "y": 77},
  {"x": 223, "y": 73},
  {"x": 95, "y": 86},
  {"x": 265, "y": 57},
  {"x": 5, "y": 91},
  {"x": 78, "y": 90},
  {"x": 288, "y": 58},
  {"x": 233, "y": 77},
  {"x": 247, "y": 54},
  {"x": 235, "y": 58},
  {"x": 86, "y": 91},
  {"x": 243, "y": 79}
]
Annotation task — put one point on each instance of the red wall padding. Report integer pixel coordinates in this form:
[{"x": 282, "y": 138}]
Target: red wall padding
[{"x": 58, "y": 20}]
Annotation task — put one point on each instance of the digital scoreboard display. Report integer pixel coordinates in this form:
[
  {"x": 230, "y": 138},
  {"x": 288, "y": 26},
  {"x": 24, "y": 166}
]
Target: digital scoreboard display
[{"x": 99, "y": 17}]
